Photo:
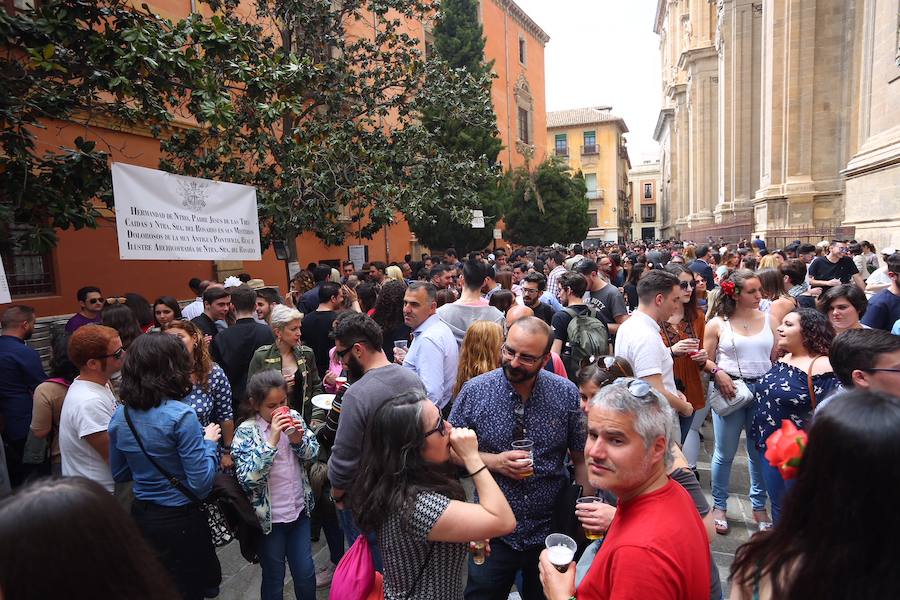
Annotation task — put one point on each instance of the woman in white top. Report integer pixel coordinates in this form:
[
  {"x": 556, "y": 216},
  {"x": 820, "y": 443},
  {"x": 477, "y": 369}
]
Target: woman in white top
[{"x": 739, "y": 341}]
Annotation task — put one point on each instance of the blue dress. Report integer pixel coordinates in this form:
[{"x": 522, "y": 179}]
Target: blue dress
[
  {"x": 783, "y": 393},
  {"x": 212, "y": 405}
]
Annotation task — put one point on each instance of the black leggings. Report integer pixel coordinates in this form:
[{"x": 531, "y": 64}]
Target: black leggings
[{"x": 180, "y": 536}]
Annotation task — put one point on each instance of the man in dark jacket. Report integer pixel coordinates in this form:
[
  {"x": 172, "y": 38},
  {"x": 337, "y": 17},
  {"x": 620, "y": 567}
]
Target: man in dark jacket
[
  {"x": 234, "y": 347},
  {"x": 701, "y": 266}
]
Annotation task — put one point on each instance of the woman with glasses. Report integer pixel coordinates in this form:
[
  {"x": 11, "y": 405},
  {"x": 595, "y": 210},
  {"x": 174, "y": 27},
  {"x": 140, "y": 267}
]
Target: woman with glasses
[
  {"x": 210, "y": 394},
  {"x": 739, "y": 341},
  {"x": 793, "y": 386},
  {"x": 683, "y": 336},
  {"x": 408, "y": 493}
]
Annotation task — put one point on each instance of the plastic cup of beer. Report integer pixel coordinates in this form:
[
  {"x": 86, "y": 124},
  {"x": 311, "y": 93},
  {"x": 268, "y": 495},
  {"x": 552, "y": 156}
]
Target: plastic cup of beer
[
  {"x": 478, "y": 555},
  {"x": 560, "y": 550},
  {"x": 591, "y": 534},
  {"x": 526, "y": 446}
]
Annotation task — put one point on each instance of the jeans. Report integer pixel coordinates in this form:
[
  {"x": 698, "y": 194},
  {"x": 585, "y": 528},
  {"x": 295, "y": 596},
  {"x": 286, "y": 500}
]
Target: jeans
[
  {"x": 776, "y": 486},
  {"x": 493, "y": 579},
  {"x": 180, "y": 537},
  {"x": 351, "y": 532},
  {"x": 325, "y": 516},
  {"x": 684, "y": 424},
  {"x": 728, "y": 434},
  {"x": 291, "y": 541},
  {"x": 691, "y": 447}
]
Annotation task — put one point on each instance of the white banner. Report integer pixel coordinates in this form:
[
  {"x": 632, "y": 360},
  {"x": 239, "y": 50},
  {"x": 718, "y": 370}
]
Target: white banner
[
  {"x": 165, "y": 216},
  {"x": 4, "y": 287}
]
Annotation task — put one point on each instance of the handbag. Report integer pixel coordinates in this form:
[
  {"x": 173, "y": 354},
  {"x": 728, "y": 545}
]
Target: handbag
[
  {"x": 742, "y": 394},
  {"x": 218, "y": 527}
]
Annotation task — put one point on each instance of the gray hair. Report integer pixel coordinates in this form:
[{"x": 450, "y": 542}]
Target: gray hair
[
  {"x": 653, "y": 417},
  {"x": 282, "y": 316}
]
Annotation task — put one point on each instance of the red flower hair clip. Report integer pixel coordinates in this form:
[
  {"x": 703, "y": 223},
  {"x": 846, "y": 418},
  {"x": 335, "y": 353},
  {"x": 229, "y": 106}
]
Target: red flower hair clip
[{"x": 728, "y": 288}]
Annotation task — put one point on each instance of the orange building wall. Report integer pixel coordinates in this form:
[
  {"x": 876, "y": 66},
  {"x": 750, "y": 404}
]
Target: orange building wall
[
  {"x": 90, "y": 256},
  {"x": 501, "y": 32}
]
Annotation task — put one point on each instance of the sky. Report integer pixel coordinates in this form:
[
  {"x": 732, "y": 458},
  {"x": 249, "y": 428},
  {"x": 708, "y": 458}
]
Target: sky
[{"x": 604, "y": 53}]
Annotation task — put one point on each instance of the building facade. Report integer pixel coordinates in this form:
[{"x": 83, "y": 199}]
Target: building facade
[
  {"x": 643, "y": 183},
  {"x": 780, "y": 118},
  {"x": 49, "y": 281},
  {"x": 591, "y": 140}
]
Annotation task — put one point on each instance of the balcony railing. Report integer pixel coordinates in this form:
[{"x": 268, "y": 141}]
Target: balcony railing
[
  {"x": 594, "y": 195},
  {"x": 590, "y": 150},
  {"x": 562, "y": 151}
]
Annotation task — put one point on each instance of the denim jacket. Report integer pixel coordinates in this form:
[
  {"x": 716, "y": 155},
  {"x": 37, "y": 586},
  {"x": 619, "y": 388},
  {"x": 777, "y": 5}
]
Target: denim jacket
[{"x": 254, "y": 457}]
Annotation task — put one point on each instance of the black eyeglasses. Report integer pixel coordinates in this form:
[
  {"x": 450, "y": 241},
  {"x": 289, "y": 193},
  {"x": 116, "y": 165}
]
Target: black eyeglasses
[
  {"x": 343, "y": 353},
  {"x": 95, "y": 301},
  {"x": 116, "y": 355},
  {"x": 686, "y": 284},
  {"x": 881, "y": 370},
  {"x": 525, "y": 359},
  {"x": 439, "y": 428}
]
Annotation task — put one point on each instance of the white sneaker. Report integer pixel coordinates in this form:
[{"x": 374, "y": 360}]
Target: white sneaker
[{"x": 324, "y": 576}]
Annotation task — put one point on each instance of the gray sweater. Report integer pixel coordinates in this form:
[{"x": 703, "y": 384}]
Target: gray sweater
[
  {"x": 361, "y": 400},
  {"x": 459, "y": 316}
]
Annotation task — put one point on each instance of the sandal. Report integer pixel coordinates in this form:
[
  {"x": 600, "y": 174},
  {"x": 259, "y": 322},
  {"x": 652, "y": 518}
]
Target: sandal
[
  {"x": 721, "y": 525},
  {"x": 763, "y": 523}
]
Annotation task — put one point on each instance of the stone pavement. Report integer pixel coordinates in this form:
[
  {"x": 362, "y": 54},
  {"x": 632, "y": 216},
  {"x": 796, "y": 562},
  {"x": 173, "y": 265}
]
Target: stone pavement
[{"x": 241, "y": 580}]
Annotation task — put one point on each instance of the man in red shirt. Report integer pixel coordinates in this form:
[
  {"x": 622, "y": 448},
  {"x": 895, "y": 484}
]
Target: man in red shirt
[{"x": 656, "y": 546}]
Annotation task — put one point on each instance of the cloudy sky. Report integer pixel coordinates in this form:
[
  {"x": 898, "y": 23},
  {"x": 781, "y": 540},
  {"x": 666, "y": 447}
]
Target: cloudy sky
[{"x": 603, "y": 53}]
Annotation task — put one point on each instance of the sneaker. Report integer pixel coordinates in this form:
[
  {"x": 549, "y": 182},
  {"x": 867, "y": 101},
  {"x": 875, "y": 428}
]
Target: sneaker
[{"x": 324, "y": 576}]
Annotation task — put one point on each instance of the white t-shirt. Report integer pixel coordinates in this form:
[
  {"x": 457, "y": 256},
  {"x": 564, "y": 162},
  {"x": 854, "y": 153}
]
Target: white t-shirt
[
  {"x": 639, "y": 342},
  {"x": 87, "y": 409}
]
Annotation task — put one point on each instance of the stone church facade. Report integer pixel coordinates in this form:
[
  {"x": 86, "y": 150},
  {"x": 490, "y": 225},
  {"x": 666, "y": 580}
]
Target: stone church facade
[{"x": 780, "y": 118}]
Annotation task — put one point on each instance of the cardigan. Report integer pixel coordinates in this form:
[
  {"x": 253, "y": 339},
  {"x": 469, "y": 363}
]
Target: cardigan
[{"x": 254, "y": 457}]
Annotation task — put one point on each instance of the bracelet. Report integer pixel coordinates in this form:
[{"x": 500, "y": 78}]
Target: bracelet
[
  {"x": 483, "y": 467},
  {"x": 226, "y": 449},
  {"x": 714, "y": 371}
]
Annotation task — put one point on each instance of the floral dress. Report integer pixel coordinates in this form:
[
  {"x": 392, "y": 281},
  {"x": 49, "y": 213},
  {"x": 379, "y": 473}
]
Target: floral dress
[{"x": 783, "y": 393}]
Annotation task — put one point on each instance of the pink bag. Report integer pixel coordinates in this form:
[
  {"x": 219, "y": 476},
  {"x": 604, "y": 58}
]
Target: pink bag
[{"x": 354, "y": 576}]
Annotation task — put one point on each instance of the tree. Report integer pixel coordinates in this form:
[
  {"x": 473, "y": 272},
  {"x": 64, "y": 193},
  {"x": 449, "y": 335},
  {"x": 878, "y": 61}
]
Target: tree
[
  {"x": 327, "y": 126},
  {"x": 459, "y": 40},
  {"x": 548, "y": 206}
]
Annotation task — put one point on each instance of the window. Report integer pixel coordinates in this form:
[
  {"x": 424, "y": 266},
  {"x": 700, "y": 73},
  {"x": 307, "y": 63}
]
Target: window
[
  {"x": 522, "y": 55},
  {"x": 28, "y": 273},
  {"x": 648, "y": 213},
  {"x": 523, "y": 126},
  {"x": 590, "y": 143},
  {"x": 590, "y": 181},
  {"x": 562, "y": 145},
  {"x": 648, "y": 190},
  {"x": 592, "y": 216}
]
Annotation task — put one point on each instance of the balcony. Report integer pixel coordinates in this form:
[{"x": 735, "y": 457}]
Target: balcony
[
  {"x": 562, "y": 151},
  {"x": 591, "y": 150},
  {"x": 623, "y": 152},
  {"x": 594, "y": 195}
]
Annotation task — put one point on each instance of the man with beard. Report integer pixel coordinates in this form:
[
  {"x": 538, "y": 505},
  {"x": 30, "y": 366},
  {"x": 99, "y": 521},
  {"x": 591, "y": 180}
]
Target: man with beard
[
  {"x": 374, "y": 379},
  {"x": 522, "y": 401},
  {"x": 533, "y": 286},
  {"x": 20, "y": 371}
]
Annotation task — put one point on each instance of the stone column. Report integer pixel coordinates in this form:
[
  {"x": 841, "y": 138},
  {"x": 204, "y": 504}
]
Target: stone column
[
  {"x": 682, "y": 160},
  {"x": 703, "y": 99}
]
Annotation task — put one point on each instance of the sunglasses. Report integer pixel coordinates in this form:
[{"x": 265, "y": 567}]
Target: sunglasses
[
  {"x": 686, "y": 284},
  {"x": 116, "y": 300},
  {"x": 116, "y": 355},
  {"x": 95, "y": 301},
  {"x": 439, "y": 428}
]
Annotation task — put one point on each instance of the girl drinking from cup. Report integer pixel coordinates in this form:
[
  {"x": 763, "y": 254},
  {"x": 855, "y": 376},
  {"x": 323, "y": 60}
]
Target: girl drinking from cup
[{"x": 270, "y": 449}]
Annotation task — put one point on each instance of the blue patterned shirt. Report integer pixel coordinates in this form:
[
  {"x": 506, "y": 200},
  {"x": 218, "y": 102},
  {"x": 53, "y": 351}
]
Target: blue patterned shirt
[
  {"x": 552, "y": 418},
  {"x": 783, "y": 393}
]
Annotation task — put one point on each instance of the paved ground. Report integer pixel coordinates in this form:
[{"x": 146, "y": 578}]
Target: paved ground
[{"x": 241, "y": 580}]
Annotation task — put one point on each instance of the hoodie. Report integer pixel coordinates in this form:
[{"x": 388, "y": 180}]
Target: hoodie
[{"x": 459, "y": 316}]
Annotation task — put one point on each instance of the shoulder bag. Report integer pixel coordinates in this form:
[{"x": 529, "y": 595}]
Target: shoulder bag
[
  {"x": 218, "y": 527},
  {"x": 722, "y": 405}
]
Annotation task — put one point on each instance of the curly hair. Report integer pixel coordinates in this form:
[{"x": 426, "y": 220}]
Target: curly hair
[
  {"x": 725, "y": 305},
  {"x": 156, "y": 368},
  {"x": 480, "y": 351},
  {"x": 201, "y": 361},
  {"x": 389, "y": 305},
  {"x": 817, "y": 331}
]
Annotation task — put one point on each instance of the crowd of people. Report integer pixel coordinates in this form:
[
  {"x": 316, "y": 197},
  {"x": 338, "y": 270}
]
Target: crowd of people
[{"x": 454, "y": 413}]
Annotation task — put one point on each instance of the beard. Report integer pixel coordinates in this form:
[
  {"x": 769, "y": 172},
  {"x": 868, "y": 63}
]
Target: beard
[
  {"x": 517, "y": 374},
  {"x": 355, "y": 369}
]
